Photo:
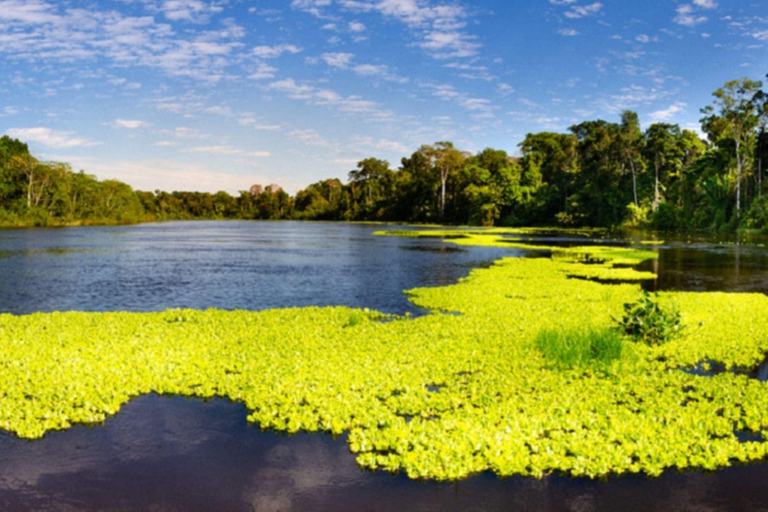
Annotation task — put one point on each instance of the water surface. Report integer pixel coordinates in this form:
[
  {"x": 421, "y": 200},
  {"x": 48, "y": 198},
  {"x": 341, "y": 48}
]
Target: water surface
[{"x": 173, "y": 453}]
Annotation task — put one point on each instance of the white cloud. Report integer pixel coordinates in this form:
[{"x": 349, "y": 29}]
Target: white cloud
[
  {"x": 262, "y": 71},
  {"x": 760, "y": 35},
  {"x": 355, "y": 26},
  {"x": 381, "y": 144},
  {"x": 189, "y": 10},
  {"x": 568, "y": 32},
  {"x": 229, "y": 151},
  {"x": 271, "y": 52},
  {"x": 668, "y": 113},
  {"x": 182, "y": 132},
  {"x": 450, "y": 44},
  {"x": 37, "y": 30},
  {"x": 27, "y": 11},
  {"x": 438, "y": 28},
  {"x": 687, "y": 16},
  {"x": 337, "y": 60},
  {"x": 195, "y": 11},
  {"x": 8, "y": 111},
  {"x": 447, "y": 92},
  {"x": 582, "y": 11},
  {"x": 632, "y": 97},
  {"x": 706, "y": 4},
  {"x": 318, "y": 96},
  {"x": 130, "y": 124},
  {"x": 645, "y": 39},
  {"x": 505, "y": 89},
  {"x": 344, "y": 61},
  {"x": 50, "y": 138},
  {"x": 309, "y": 137}
]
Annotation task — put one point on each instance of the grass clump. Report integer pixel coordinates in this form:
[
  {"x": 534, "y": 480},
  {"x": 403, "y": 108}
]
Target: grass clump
[{"x": 580, "y": 347}]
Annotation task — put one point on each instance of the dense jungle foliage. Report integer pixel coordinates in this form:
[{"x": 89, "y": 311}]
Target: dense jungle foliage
[{"x": 601, "y": 173}]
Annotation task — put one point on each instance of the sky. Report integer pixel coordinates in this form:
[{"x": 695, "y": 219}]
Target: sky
[{"x": 212, "y": 95}]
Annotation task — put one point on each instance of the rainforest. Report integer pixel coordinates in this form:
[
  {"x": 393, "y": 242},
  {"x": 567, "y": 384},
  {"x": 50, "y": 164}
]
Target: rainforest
[{"x": 599, "y": 174}]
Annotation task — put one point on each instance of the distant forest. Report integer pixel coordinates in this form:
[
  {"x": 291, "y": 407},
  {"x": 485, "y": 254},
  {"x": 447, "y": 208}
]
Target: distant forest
[{"x": 599, "y": 174}]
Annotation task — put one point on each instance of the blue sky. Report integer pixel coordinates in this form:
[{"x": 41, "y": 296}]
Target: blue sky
[{"x": 220, "y": 94}]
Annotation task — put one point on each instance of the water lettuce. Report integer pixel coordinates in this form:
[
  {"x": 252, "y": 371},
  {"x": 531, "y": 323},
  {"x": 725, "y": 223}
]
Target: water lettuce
[{"x": 439, "y": 396}]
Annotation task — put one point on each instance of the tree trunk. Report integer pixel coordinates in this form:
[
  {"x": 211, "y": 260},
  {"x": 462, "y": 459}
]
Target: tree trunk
[
  {"x": 656, "y": 185},
  {"x": 634, "y": 180},
  {"x": 443, "y": 179},
  {"x": 30, "y": 184},
  {"x": 738, "y": 179}
]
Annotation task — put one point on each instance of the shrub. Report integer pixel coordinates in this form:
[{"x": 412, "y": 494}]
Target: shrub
[
  {"x": 666, "y": 217},
  {"x": 580, "y": 347},
  {"x": 637, "y": 216},
  {"x": 646, "y": 320}
]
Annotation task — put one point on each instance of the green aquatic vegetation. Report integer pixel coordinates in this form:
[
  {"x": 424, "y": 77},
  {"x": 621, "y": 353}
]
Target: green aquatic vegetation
[
  {"x": 436, "y": 397},
  {"x": 580, "y": 347},
  {"x": 647, "y": 320}
]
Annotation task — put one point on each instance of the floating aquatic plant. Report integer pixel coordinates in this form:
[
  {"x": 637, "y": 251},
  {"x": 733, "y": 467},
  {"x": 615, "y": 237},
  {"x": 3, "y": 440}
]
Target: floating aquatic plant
[{"x": 437, "y": 397}]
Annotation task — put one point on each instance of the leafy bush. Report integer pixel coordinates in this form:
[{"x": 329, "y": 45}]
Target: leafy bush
[
  {"x": 580, "y": 347},
  {"x": 666, "y": 217},
  {"x": 637, "y": 216},
  {"x": 646, "y": 320},
  {"x": 757, "y": 216}
]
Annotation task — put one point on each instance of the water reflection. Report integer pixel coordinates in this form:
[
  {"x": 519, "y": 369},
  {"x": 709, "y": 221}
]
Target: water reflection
[
  {"x": 709, "y": 268},
  {"x": 173, "y": 453}
]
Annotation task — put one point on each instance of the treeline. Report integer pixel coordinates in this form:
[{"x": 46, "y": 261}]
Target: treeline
[
  {"x": 600, "y": 173},
  {"x": 49, "y": 193}
]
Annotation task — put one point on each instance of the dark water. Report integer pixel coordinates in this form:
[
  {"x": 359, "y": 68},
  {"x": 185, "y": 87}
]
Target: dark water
[
  {"x": 172, "y": 453},
  {"x": 227, "y": 265},
  {"x": 708, "y": 267}
]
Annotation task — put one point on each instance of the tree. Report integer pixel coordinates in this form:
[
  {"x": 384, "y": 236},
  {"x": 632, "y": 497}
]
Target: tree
[
  {"x": 600, "y": 198},
  {"x": 554, "y": 158},
  {"x": 370, "y": 180},
  {"x": 446, "y": 160},
  {"x": 26, "y": 165},
  {"x": 734, "y": 112},
  {"x": 489, "y": 187},
  {"x": 630, "y": 145},
  {"x": 663, "y": 150}
]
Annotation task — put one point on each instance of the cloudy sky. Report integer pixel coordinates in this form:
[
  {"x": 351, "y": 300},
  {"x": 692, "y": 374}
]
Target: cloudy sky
[{"x": 220, "y": 94}]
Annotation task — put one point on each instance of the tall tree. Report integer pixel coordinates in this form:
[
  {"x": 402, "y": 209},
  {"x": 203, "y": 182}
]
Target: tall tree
[
  {"x": 631, "y": 142},
  {"x": 663, "y": 149},
  {"x": 446, "y": 159},
  {"x": 735, "y": 112},
  {"x": 602, "y": 200},
  {"x": 370, "y": 183}
]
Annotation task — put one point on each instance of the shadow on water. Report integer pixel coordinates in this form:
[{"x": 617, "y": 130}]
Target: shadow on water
[{"x": 175, "y": 453}]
